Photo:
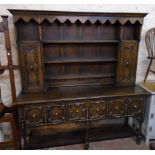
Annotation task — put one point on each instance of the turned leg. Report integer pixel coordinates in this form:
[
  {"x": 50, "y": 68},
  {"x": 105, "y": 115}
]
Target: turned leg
[
  {"x": 26, "y": 136},
  {"x": 139, "y": 135},
  {"x": 86, "y": 147},
  {"x": 126, "y": 120}
]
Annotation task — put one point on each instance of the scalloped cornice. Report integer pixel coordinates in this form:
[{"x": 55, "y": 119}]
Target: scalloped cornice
[{"x": 73, "y": 17}]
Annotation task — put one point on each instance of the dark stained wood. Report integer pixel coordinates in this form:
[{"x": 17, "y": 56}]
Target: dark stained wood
[
  {"x": 31, "y": 67},
  {"x": 40, "y": 140},
  {"x": 77, "y": 93},
  {"x": 77, "y": 67},
  {"x": 127, "y": 63}
]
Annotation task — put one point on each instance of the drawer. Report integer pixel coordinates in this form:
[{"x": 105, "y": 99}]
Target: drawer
[
  {"x": 56, "y": 113},
  {"x": 135, "y": 106},
  {"x": 77, "y": 111},
  {"x": 33, "y": 116},
  {"x": 117, "y": 108},
  {"x": 97, "y": 110}
]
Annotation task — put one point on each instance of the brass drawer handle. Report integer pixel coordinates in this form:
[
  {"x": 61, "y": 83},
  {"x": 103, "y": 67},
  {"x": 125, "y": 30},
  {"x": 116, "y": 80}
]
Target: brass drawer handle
[
  {"x": 77, "y": 111},
  {"x": 33, "y": 116}
]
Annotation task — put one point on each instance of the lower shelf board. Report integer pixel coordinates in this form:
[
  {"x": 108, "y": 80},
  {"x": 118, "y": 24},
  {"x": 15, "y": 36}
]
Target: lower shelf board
[{"x": 77, "y": 137}]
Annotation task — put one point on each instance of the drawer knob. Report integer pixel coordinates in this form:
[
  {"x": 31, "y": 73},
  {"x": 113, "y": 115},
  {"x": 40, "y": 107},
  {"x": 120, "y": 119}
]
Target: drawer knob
[
  {"x": 56, "y": 113},
  {"x": 117, "y": 108},
  {"x": 97, "y": 109},
  {"x": 135, "y": 106},
  {"x": 33, "y": 115},
  {"x": 77, "y": 111}
]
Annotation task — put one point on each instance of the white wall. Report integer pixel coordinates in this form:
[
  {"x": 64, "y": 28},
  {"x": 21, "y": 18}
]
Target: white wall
[{"x": 149, "y": 22}]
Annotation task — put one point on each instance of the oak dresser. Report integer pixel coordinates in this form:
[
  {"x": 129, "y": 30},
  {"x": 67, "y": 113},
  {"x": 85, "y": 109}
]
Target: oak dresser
[{"x": 78, "y": 73}]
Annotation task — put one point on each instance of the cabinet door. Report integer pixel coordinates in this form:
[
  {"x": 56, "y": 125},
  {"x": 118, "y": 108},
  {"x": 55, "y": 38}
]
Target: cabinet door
[
  {"x": 31, "y": 66},
  {"x": 127, "y": 62}
]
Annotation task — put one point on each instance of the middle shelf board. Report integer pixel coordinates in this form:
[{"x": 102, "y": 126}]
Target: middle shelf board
[
  {"x": 84, "y": 76},
  {"x": 94, "y": 60},
  {"x": 78, "y": 41}
]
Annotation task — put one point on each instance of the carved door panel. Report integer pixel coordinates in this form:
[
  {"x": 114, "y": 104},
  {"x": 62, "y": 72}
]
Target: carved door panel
[
  {"x": 127, "y": 62},
  {"x": 31, "y": 66}
]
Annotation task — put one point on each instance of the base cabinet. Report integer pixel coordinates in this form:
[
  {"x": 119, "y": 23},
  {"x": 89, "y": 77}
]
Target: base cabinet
[{"x": 32, "y": 117}]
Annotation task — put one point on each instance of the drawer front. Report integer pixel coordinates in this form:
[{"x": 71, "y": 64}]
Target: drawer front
[
  {"x": 117, "y": 108},
  {"x": 53, "y": 113},
  {"x": 56, "y": 113},
  {"x": 97, "y": 110},
  {"x": 135, "y": 106},
  {"x": 33, "y": 116},
  {"x": 77, "y": 111}
]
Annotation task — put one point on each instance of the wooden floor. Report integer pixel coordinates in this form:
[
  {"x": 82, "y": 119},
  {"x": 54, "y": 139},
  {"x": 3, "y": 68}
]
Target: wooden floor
[{"x": 117, "y": 144}]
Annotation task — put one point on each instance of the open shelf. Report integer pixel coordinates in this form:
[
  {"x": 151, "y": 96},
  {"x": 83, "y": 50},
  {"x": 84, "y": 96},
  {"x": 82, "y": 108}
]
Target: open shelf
[
  {"x": 84, "y": 76},
  {"x": 94, "y": 60},
  {"x": 78, "y": 41},
  {"x": 41, "y": 137}
]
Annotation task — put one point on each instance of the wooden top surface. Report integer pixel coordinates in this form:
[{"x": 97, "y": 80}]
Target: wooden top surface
[
  {"x": 48, "y": 12},
  {"x": 78, "y": 93}
]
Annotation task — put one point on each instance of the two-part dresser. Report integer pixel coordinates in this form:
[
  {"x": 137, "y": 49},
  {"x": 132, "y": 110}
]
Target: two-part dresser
[{"x": 78, "y": 73}]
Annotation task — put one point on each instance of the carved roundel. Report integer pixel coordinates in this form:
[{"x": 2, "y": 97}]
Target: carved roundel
[{"x": 33, "y": 115}]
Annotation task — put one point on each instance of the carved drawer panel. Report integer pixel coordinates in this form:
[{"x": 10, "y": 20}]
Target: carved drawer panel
[
  {"x": 56, "y": 113},
  {"x": 33, "y": 116},
  {"x": 117, "y": 108},
  {"x": 97, "y": 110},
  {"x": 135, "y": 106},
  {"x": 77, "y": 111}
]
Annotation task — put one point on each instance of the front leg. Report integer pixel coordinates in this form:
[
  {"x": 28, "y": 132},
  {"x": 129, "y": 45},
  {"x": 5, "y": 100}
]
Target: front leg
[
  {"x": 86, "y": 147},
  {"x": 139, "y": 135}
]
